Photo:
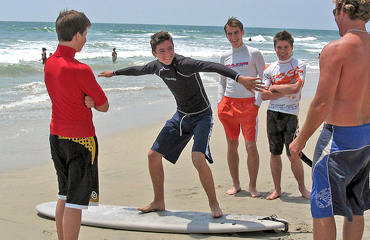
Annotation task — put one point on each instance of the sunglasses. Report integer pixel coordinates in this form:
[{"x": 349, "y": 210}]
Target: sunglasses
[{"x": 336, "y": 10}]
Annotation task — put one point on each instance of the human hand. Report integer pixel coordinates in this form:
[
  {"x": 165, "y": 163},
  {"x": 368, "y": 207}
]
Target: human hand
[
  {"x": 272, "y": 88},
  {"x": 89, "y": 102},
  {"x": 296, "y": 148},
  {"x": 251, "y": 83},
  {"x": 106, "y": 74}
]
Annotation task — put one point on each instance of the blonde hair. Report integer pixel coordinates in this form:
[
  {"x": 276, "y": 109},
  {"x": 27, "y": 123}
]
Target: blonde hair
[{"x": 356, "y": 9}]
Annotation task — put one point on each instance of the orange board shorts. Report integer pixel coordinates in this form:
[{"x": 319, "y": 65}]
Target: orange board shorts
[{"x": 236, "y": 114}]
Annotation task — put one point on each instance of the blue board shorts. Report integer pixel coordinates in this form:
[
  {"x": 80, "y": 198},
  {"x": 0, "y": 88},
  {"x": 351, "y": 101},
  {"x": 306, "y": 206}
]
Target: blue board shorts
[
  {"x": 178, "y": 131},
  {"x": 340, "y": 172}
]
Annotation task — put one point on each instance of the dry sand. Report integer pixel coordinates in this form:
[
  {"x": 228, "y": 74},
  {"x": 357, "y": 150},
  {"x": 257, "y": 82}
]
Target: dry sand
[{"x": 124, "y": 180}]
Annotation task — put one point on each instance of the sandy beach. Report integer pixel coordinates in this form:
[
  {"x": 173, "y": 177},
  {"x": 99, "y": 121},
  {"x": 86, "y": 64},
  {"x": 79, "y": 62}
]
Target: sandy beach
[{"x": 124, "y": 180}]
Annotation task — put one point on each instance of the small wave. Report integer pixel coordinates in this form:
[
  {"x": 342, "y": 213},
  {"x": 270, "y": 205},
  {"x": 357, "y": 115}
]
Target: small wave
[
  {"x": 98, "y": 45},
  {"x": 128, "y": 31},
  {"x": 314, "y": 67},
  {"x": 26, "y": 101},
  {"x": 14, "y": 70},
  {"x": 132, "y": 89},
  {"x": 298, "y": 39},
  {"x": 33, "y": 87},
  {"x": 201, "y": 54},
  {"x": 265, "y": 52}
]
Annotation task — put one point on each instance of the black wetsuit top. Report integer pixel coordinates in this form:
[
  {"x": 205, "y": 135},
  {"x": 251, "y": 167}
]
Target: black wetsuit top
[{"x": 183, "y": 80}]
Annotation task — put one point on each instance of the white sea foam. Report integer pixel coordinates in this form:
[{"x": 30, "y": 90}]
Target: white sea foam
[
  {"x": 26, "y": 101},
  {"x": 258, "y": 38},
  {"x": 301, "y": 39}
]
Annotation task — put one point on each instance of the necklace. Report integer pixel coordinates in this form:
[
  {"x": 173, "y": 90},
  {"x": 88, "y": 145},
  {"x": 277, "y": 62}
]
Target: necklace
[{"x": 356, "y": 30}]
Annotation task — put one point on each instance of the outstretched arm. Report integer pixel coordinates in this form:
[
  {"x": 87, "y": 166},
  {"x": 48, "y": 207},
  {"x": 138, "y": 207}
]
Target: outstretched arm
[
  {"x": 106, "y": 74},
  {"x": 251, "y": 83}
]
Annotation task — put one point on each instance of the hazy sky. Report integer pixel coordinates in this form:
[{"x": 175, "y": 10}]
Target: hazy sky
[{"x": 307, "y": 14}]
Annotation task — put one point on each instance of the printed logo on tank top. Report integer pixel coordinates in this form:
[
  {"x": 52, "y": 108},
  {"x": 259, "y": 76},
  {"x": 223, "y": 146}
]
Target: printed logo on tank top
[
  {"x": 290, "y": 76},
  {"x": 237, "y": 64},
  {"x": 170, "y": 79}
]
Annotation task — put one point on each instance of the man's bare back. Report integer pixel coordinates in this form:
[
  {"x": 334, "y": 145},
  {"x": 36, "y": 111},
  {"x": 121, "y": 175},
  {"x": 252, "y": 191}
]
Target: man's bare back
[
  {"x": 349, "y": 58},
  {"x": 342, "y": 99}
]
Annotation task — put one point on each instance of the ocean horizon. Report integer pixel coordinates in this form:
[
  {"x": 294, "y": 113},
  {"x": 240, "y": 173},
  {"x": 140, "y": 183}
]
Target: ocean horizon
[{"x": 25, "y": 107}]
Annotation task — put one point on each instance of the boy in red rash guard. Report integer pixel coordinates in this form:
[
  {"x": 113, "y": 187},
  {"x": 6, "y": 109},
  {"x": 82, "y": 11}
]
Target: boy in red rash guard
[{"x": 73, "y": 91}]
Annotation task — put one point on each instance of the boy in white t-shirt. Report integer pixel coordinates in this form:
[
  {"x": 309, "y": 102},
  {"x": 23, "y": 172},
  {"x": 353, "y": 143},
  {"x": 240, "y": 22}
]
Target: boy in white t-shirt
[{"x": 283, "y": 81}]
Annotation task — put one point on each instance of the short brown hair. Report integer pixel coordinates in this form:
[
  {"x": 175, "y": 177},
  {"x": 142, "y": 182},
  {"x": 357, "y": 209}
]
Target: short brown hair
[
  {"x": 283, "y": 35},
  {"x": 69, "y": 23},
  {"x": 159, "y": 38},
  {"x": 233, "y": 22}
]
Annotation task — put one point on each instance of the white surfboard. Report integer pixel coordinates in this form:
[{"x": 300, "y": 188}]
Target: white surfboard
[{"x": 174, "y": 221}]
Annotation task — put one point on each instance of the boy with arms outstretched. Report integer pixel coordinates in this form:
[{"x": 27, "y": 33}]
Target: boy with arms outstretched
[{"x": 193, "y": 117}]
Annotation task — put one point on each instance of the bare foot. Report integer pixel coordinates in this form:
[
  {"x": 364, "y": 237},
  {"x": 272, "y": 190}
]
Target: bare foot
[
  {"x": 306, "y": 193},
  {"x": 273, "y": 195},
  {"x": 216, "y": 211},
  {"x": 253, "y": 191},
  {"x": 153, "y": 207},
  {"x": 233, "y": 190}
]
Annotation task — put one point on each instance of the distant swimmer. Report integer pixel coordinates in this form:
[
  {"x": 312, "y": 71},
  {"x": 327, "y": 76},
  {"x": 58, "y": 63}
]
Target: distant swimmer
[
  {"x": 114, "y": 55},
  {"x": 43, "y": 56}
]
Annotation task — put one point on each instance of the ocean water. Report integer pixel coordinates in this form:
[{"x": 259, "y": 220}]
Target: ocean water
[{"x": 25, "y": 107}]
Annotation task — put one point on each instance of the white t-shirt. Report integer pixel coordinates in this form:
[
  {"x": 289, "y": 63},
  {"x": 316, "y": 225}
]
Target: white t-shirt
[
  {"x": 248, "y": 62},
  {"x": 281, "y": 73}
]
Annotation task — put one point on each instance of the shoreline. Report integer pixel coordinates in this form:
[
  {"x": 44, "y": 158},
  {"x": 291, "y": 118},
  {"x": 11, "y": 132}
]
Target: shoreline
[{"x": 124, "y": 180}]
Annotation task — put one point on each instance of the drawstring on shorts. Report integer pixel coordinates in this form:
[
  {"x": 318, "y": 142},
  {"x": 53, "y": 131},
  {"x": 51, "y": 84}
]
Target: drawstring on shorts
[{"x": 186, "y": 115}]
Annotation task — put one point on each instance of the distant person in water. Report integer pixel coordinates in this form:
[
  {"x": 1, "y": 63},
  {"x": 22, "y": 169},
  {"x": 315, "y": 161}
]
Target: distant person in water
[
  {"x": 114, "y": 55},
  {"x": 193, "y": 118},
  {"x": 43, "y": 56}
]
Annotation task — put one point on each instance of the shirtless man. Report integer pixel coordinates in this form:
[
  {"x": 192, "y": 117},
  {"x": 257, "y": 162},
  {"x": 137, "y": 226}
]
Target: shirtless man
[{"x": 342, "y": 160}]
